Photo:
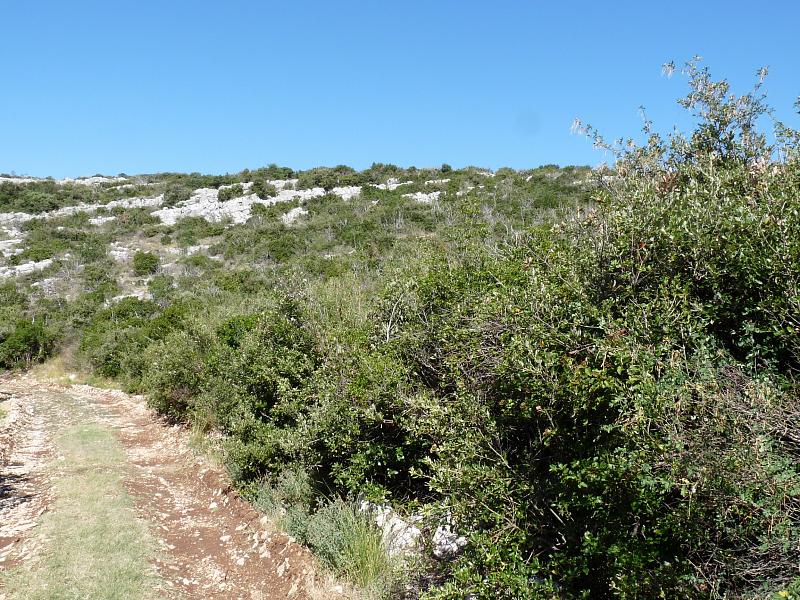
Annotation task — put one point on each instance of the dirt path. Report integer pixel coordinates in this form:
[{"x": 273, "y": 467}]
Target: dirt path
[{"x": 211, "y": 544}]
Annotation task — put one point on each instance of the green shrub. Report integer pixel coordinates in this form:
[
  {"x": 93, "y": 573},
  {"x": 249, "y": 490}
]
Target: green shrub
[
  {"x": 28, "y": 342},
  {"x": 161, "y": 288},
  {"x": 117, "y": 333},
  {"x": 242, "y": 281},
  {"x": 145, "y": 263},
  {"x": 264, "y": 189},
  {"x": 174, "y": 373},
  {"x": 135, "y": 219},
  {"x": 272, "y": 171},
  {"x": 176, "y": 193},
  {"x": 287, "y": 500},
  {"x": 612, "y": 386},
  {"x": 190, "y": 230},
  {"x": 228, "y": 193}
]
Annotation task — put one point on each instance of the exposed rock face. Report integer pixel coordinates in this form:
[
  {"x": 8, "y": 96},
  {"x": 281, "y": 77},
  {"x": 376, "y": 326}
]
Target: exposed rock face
[
  {"x": 293, "y": 215},
  {"x": 205, "y": 202},
  {"x": 347, "y": 192},
  {"x": 21, "y": 217},
  {"x": 425, "y": 198},
  {"x": 101, "y": 220},
  {"x": 67, "y": 180},
  {"x": 392, "y": 184},
  {"x": 25, "y": 268},
  {"x": 119, "y": 253},
  {"x": 9, "y": 247},
  {"x": 14, "y": 217}
]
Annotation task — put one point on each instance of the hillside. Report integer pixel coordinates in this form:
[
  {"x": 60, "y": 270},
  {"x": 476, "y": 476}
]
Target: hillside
[{"x": 456, "y": 383}]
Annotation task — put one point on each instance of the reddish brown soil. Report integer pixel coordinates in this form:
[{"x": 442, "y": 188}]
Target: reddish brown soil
[{"x": 213, "y": 544}]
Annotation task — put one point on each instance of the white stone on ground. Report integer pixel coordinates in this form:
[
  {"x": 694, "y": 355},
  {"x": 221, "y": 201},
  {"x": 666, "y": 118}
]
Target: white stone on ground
[
  {"x": 25, "y": 268},
  {"x": 200, "y": 248},
  {"x": 399, "y": 536},
  {"x": 205, "y": 203},
  {"x": 392, "y": 184},
  {"x": 446, "y": 542},
  {"x": 9, "y": 247},
  {"x": 293, "y": 215},
  {"x": 119, "y": 252},
  {"x": 101, "y": 220},
  {"x": 423, "y": 197},
  {"x": 139, "y": 294}
]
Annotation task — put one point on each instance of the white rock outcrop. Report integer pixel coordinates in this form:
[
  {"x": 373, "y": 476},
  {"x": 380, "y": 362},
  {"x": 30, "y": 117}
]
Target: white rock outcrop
[
  {"x": 399, "y": 536},
  {"x": 9, "y": 247},
  {"x": 392, "y": 184},
  {"x": 67, "y": 180},
  {"x": 119, "y": 252},
  {"x": 402, "y": 536},
  {"x": 293, "y": 215},
  {"x": 139, "y": 202},
  {"x": 423, "y": 197},
  {"x": 101, "y": 220},
  {"x": 25, "y": 268},
  {"x": 205, "y": 203},
  {"x": 446, "y": 541}
]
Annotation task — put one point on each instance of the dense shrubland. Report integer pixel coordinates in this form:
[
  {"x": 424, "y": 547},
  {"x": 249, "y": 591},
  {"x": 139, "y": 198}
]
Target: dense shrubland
[{"x": 600, "y": 392}]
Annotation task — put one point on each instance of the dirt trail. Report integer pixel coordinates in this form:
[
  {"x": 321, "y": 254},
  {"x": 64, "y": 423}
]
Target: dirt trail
[{"x": 212, "y": 543}]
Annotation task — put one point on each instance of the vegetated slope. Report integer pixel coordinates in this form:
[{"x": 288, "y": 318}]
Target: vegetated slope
[{"x": 596, "y": 389}]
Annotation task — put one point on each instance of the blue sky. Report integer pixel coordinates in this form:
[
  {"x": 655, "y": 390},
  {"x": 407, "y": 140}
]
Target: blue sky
[{"x": 109, "y": 87}]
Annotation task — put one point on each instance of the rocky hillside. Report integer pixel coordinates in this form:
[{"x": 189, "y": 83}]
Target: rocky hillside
[{"x": 453, "y": 384}]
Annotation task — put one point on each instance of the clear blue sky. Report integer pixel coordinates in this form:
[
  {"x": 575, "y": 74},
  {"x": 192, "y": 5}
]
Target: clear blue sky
[{"x": 150, "y": 86}]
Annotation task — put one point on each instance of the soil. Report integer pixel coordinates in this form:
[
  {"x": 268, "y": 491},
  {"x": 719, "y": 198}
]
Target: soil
[{"x": 213, "y": 544}]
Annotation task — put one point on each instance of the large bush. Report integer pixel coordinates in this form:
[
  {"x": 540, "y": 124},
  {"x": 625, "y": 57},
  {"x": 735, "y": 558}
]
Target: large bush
[
  {"x": 176, "y": 193},
  {"x": 27, "y": 342},
  {"x": 623, "y": 391}
]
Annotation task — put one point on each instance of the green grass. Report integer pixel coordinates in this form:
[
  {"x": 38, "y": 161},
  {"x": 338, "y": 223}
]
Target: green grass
[
  {"x": 95, "y": 547},
  {"x": 349, "y": 544}
]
